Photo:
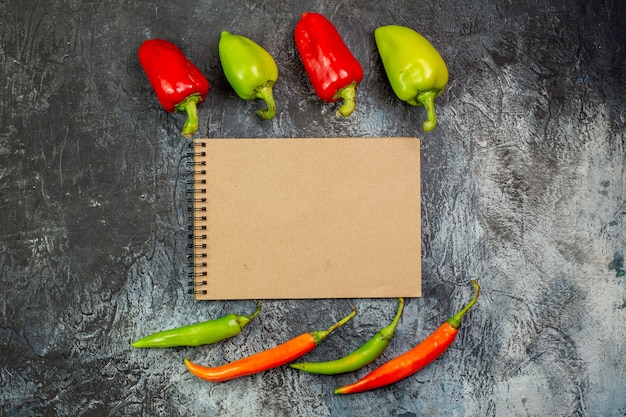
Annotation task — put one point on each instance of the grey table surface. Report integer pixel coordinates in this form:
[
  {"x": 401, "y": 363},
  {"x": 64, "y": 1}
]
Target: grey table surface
[{"x": 523, "y": 188}]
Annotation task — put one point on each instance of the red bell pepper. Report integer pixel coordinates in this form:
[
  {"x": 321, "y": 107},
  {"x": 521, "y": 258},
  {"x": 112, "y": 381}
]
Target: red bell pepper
[
  {"x": 179, "y": 84},
  {"x": 333, "y": 70}
]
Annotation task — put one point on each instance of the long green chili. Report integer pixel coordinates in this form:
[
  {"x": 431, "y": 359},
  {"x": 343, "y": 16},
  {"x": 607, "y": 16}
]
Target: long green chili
[
  {"x": 203, "y": 333},
  {"x": 364, "y": 355}
]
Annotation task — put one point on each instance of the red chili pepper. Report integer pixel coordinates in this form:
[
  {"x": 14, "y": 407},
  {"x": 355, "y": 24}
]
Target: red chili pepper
[
  {"x": 415, "y": 359},
  {"x": 333, "y": 70},
  {"x": 178, "y": 84},
  {"x": 268, "y": 359}
]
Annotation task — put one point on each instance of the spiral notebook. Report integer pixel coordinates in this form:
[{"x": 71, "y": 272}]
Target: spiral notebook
[{"x": 295, "y": 218}]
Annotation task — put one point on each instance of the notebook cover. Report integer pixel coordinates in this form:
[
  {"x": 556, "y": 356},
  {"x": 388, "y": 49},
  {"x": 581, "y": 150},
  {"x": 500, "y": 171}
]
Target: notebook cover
[{"x": 307, "y": 218}]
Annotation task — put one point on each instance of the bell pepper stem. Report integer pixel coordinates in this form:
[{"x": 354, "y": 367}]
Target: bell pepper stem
[
  {"x": 264, "y": 92},
  {"x": 348, "y": 94},
  {"x": 427, "y": 99},
  {"x": 190, "y": 106}
]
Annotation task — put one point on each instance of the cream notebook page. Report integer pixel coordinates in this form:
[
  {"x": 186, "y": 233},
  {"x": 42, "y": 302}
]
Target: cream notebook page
[{"x": 306, "y": 218}]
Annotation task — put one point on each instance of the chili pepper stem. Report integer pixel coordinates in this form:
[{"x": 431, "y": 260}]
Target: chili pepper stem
[
  {"x": 243, "y": 320},
  {"x": 348, "y": 94},
  {"x": 319, "y": 336},
  {"x": 455, "y": 321},
  {"x": 396, "y": 319},
  {"x": 428, "y": 100},
  {"x": 190, "y": 106},
  {"x": 387, "y": 332},
  {"x": 264, "y": 92}
]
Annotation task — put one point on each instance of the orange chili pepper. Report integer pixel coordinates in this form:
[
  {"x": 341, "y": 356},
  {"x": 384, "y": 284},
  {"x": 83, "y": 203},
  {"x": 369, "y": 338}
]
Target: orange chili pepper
[
  {"x": 415, "y": 359},
  {"x": 268, "y": 359}
]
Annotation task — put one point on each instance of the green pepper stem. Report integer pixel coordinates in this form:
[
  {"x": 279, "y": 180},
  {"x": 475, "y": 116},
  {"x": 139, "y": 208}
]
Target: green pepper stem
[
  {"x": 243, "y": 320},
  {"x": 259, "y": 305},
  {"x": 264, "y": 92},
  {"x": 394, "y": 323},
  {"x": 387, "y": 332},
  {"x": 455, "y": 321},
  {"x": 348, "y": 94},
  {"x": 427, "y": 98},
  {"x": 190, "y": 106},
  {"x": 319, "y": 336}
]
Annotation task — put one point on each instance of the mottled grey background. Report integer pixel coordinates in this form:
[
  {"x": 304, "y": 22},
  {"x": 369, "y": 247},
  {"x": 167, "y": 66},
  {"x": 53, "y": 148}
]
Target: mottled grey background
[{"x": 524, "y": 188}]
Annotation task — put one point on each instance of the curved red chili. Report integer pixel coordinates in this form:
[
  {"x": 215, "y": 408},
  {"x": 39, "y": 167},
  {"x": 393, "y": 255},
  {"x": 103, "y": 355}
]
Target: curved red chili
[
  {"x": 178, "y": 84},
  {"x": 268, "y": 359},
  {"x": 415, "y": 359},
  {"x": 333, "y": 70}
]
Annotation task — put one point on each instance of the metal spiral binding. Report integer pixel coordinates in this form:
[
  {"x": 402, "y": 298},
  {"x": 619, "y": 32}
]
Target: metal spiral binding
[{"x": 198, "y": 248}]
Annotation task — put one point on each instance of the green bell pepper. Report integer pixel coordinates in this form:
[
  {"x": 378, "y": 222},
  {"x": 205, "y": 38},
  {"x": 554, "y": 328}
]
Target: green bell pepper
[
  {"x": 416, "y": 71},
  {"x": 249, "y": 69}
]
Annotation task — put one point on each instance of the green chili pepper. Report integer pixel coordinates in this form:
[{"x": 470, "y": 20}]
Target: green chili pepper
[
  {"x": 203, "y": 333},
  {"x": 415, "y": 69},
  {"x": 364, "y": 355},
  {"x": 249, "y": 69}
]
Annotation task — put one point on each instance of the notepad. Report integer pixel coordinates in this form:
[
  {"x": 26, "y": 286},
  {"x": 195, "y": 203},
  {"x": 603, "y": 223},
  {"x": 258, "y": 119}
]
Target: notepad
[{"x": 294, "y": 218}]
